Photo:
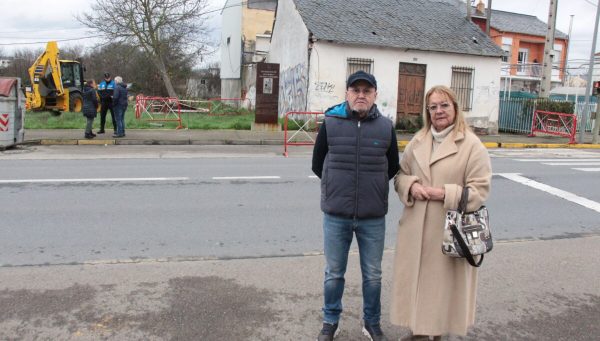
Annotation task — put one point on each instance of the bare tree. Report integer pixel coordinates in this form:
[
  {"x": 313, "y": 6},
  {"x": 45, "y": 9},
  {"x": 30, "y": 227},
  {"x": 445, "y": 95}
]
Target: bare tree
[{"x": 160, "y": 27}]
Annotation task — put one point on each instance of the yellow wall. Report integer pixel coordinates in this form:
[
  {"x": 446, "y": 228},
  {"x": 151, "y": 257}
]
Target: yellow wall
[{"x": 255, "y": 21}]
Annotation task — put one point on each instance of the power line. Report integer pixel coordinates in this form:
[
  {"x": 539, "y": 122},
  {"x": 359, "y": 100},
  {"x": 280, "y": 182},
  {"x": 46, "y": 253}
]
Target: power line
[
  {"x": 44, "y": 42},
  {"x": 47, "y": 30}
]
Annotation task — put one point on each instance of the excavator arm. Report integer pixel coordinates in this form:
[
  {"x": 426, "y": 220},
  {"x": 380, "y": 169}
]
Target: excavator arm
[{"x": 46, "y": 78}]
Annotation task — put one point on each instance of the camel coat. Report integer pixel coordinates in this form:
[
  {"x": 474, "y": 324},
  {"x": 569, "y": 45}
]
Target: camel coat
[{"x": 434, "y": 294}]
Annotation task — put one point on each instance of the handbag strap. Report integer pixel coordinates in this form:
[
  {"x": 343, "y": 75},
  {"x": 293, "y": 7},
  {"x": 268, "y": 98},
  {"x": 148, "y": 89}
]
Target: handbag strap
[
  {"x": 464, "y": 199},
  {"x": 464, "y": 247}
]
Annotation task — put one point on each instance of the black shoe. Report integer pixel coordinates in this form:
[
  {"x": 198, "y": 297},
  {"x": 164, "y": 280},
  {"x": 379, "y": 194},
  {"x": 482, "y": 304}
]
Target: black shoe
[
  {"x": 101, "y": 131},
  {"x": 328, "y": 332},
  {"x": 93, "y": 135},
  {"x": 373, "y": 332},
  {"x": 89, "y": 136}
]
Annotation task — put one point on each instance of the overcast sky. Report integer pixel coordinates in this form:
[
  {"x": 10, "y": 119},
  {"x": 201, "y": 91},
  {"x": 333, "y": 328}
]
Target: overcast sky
[{"x": 54, "y": 20}]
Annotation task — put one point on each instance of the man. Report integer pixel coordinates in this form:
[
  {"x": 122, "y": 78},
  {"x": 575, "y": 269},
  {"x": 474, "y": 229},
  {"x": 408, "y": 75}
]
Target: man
[
  {"x": 105, "y": 89},
  {"x": 120, "y": 106},
  {"x": 355, "y": 156}
]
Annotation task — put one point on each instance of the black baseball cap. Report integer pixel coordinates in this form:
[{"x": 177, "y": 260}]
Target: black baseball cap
[
  {"x": 361, "y": 76},
  {"x": 106, "y": 75}
]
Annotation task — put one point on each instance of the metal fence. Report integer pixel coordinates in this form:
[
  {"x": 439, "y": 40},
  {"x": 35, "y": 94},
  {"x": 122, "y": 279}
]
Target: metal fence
[{"x": 516, "y": 115}]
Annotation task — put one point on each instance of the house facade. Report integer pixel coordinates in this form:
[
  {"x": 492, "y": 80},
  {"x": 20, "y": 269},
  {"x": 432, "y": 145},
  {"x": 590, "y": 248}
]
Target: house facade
[
  {"x": 403, "y": 43},
  {"x": 522, "y": 38},
  {"x": 245, "y": 38}
]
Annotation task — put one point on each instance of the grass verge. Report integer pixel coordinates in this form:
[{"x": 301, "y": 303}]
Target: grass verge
[{"x": 241, "y": 120}]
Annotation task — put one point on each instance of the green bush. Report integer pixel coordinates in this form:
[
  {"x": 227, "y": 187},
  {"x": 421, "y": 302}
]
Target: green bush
[
  {"x": 555, "y": 106},
  {"x": 410, "y": 124},
  {"x": 545, "y": 104}
]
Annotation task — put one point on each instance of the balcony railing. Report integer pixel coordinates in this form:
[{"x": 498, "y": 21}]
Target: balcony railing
[{"x": 529, "y": 70}]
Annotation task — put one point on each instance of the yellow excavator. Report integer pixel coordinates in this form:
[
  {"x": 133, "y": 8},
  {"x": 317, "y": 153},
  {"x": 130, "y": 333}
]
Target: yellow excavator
[{"x": 56, "y": 84}]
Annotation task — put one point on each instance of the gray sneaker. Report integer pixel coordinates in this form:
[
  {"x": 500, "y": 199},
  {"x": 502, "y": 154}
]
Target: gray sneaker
[
  {"x": 328, "y": 332},
  {"x": 373, "y": 332}
]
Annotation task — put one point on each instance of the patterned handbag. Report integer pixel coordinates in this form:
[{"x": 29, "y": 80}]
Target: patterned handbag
[{"x": 467, "y": 234}]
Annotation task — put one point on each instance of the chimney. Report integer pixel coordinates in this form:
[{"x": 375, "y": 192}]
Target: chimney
[{"x": 480, "y": 8}]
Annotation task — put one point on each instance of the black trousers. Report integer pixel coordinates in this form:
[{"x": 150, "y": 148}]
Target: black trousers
[{"x": 104, "y": 107}]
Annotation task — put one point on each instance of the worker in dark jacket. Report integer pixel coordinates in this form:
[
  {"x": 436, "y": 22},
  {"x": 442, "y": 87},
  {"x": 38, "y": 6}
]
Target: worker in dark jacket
[
  {"x": 119, "y": 101},
  {"x": 90, "y": 107},
  {"x": 105, "y": 90},
  {"x": 355, "y": 156}
]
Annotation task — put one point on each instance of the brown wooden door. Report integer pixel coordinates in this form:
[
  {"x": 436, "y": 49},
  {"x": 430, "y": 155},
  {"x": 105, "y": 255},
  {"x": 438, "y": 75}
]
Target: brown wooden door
[{"x": 411, "y": 89}]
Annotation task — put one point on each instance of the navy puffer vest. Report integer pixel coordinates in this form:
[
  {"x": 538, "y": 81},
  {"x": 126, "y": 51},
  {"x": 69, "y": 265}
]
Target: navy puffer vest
[{"x": 355, "y": 181}]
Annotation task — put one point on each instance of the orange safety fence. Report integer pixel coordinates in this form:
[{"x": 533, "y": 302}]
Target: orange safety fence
[
  {"x": 306, "y": 124},
  {"x": 554, "y": 123},
  {"x": 159, "y": 109}
]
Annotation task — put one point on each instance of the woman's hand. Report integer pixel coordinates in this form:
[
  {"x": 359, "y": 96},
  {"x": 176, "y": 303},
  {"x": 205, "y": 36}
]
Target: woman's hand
[
  {"x": 419, "y": 191},
  {"x": 436, "y": 193}
]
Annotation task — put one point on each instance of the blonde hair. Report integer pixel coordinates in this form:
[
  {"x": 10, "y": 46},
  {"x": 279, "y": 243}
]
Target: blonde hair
[
  {"x": 118, "y": 80},
  {"x": 460, "y": 123}
]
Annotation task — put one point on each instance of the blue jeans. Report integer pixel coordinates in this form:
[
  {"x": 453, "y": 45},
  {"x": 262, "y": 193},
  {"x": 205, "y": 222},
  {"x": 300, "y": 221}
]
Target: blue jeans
[
  {"x": 370, "y": 235},
  {"x": 120, "y": 118}
]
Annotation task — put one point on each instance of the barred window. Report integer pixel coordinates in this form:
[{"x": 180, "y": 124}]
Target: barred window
[
  {"x": 357, "y": 64},
  {"x": 462, "y": 84}
]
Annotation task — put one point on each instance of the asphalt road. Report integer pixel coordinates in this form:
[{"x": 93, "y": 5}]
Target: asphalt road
[
  {"x": 202, "y": 257},
  {"x": 181, "y": 205}
]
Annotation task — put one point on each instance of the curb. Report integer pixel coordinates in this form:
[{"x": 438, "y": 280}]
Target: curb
[{"x": 401, "y": 144}]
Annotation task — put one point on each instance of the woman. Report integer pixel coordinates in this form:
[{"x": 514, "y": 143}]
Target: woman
[
  {"x": 119, "y": 101},
  {"x": 434, "y": 294},
  {"x": 90, "y": 105}
]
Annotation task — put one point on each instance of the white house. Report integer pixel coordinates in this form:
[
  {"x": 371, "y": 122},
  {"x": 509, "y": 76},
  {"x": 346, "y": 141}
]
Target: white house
[{"x": 409, "y": 46}]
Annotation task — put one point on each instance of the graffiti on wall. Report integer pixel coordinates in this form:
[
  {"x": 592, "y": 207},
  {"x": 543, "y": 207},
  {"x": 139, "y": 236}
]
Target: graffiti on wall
[
  {"x": 293, "y": 89},
  {"x": 325, "y": 87}
]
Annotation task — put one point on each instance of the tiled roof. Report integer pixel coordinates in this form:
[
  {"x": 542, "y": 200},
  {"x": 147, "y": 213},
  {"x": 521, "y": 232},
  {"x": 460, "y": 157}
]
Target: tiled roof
[
  {"x": 521, "y": 23},
  {"x": 427, "y": 25}
]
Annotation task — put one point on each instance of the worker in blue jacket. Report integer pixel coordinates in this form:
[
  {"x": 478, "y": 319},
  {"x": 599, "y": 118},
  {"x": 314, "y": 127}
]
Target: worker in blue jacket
[{"x": 105, "y": 90}]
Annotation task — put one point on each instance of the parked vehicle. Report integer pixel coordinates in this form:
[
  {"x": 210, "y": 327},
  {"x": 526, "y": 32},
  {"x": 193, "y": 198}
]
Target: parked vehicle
[{"x": 56, "y": 84}]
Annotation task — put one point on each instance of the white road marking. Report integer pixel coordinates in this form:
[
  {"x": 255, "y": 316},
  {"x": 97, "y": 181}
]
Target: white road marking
[
  {"x": 516, "y": 177},
  {"x": 597, "y": 163},
  {"x": 558, "y": 160},
  {"x": 16, "y": 181},
  {"x": 313, "y": 176},
  {"x": 588, "y": 169},
  {"x": 244, "y": 177}
]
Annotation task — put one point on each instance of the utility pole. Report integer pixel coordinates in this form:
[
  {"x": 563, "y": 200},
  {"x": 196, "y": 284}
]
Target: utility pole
[
  {"x": 588, "y": 88},
  {"x": 567, "y": 53},
  {"x": 549, "y": 51}
]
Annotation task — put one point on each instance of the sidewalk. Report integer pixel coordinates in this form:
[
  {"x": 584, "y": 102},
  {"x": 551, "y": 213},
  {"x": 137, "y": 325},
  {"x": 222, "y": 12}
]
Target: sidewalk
[
  {"x": 247, "y": 137},
  {"x": 529, "y": 290}
]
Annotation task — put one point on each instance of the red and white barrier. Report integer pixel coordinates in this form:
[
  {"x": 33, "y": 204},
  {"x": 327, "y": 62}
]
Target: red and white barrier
[
  {"x": 554, "y": 123},
  {"x": 307, "y": 122},
  {"x": 161, "y": 109}
]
